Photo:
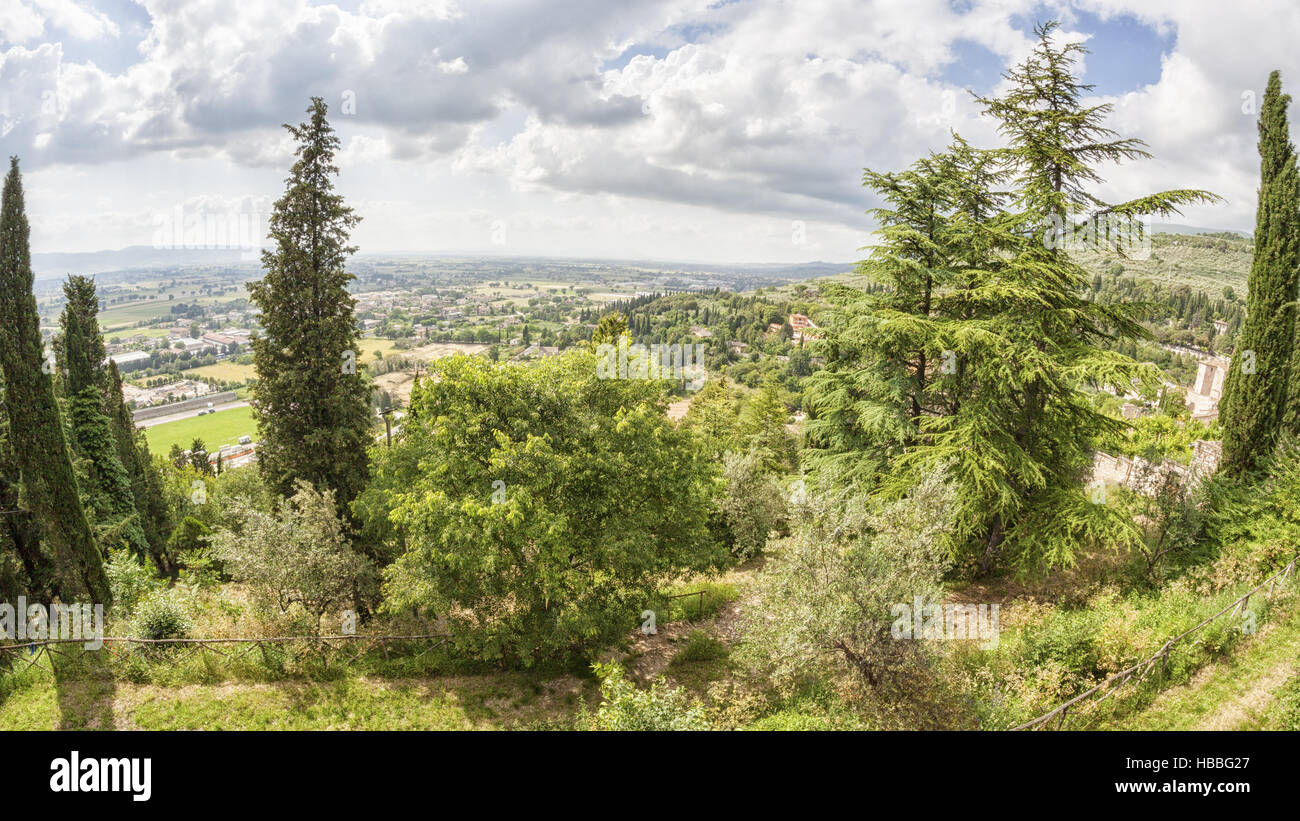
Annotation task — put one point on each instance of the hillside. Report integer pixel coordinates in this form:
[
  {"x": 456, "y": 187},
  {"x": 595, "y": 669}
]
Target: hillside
[{"x": 1207, "y": 262}]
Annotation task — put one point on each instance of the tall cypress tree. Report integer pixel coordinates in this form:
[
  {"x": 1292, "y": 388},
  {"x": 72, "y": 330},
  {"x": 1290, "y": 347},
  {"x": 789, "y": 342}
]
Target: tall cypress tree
[
  {"x": 146, "y": 483},
  {"x": 44, "y": 462},
  {"x": 106, "y": 480},
  {"x": 1255, "y": 392},
  {"x": 18, "y": 536},
  {"x": 311, "y": 400}
]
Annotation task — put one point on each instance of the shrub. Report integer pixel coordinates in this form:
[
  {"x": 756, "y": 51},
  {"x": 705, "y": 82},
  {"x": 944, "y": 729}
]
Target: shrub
[
  {"x": 626, "y": 707},
  {"x": 297, "y": 555},
  {"x": 753, "y": 505},
  {"x": 825, "y": 602},
  {"x": 700, "y": 647},
  {"x": 162, "y": 616},
  {"x": 130, "y": 580}
]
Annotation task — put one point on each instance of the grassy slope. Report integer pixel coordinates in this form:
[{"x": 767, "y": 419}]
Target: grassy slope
[
  {"x": 1175, "y": 258},
  {"x": 1235, "y": 694}
]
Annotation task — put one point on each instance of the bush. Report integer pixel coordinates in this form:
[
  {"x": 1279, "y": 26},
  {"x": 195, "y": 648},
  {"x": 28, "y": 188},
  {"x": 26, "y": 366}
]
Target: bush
[
  {"x": 162, "y": 616},
  {"x": 753, "y": 505},
  {"x": 660, "y": 708},
  {"x": 700, "y": 647},
  {"x": 297, "y": 555},
  {"x": 129, "y": 580},
  {"x": 826, "y": 601}
]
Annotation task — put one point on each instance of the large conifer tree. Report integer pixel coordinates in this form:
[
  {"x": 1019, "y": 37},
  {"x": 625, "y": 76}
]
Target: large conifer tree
[
  {"x": 1255, "y": 392},
  {"x": 106, "y": 480},
  {"x": 146, "y": 483},
  {"x": 41, "y": 449},
  {"x": 980, "y": 353},
  {"x": 312, "y": 401}
]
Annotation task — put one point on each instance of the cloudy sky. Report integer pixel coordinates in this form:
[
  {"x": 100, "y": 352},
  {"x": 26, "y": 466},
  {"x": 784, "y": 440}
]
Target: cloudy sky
[{"x": 709, "y": 130}]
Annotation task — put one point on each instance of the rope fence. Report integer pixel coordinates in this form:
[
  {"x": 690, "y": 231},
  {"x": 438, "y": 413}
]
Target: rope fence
[
  {"x": 32, "y": 651},
  {"x": 1139, "y": 671},
  {"x": 239, "y": 646}
]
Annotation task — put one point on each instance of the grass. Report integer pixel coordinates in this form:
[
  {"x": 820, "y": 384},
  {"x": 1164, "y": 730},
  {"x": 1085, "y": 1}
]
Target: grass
[
  {"x": 1284, "y": 714},
  {"x": 215, "y": 429},
  {"x": 716, "y": 594},
  {"x": 1236, "y": 693},
  {"x": 702, "y": 659},
  {"x": 370, "y": 345},
  {"x": 350, "y": 702}
]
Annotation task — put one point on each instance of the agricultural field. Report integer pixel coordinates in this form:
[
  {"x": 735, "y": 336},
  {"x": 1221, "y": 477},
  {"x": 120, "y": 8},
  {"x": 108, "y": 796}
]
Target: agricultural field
[
  {"x": 225, "y": 371},
  {"x": 215, "y": 429},
  {"x": 1205, "y": 262},
  {"x": 123, "y": 317},
  {"x": 127, "y": 333},
  {"x": 372, "y": 345}
]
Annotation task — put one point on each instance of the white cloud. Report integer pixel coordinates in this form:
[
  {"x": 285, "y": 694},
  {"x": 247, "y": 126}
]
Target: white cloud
[{"x": 733, "y": 120}]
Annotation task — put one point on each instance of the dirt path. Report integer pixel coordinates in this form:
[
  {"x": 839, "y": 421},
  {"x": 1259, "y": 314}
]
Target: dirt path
[
  {"x": 1235, "y": 692},
  {"x": 1245, "y": 711}
]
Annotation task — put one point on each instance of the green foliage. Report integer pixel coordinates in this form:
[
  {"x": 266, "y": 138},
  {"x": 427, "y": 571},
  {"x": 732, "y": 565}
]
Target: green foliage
[
  {"x": 68, "y": 558},
  {"x": 131, "y": 579},
  {"x": 981, "y": 350},
  {"x": 1286, "y": 710},
  {"x": 538, "y": 507},
  {"x": 763, "y": 422},
  {"x": 311, "y": 400},
  {"x": 699, "y": 647},
  {"x": 1256, "y": 522},
  {"x": 1255, "y": 408},
  {"x": 110, "y": 502},
  {"x": 199, "y": 457},
  {"x": 824, "y": 601},
  {"x": 297, "y": 555},
  {"x": 1160, "y": 437},
  {"x": 608, "y": 330},
  {"x": 189, "y": 536},
  {"x": 690, "y": 607},
  {"x": 659, "y": 708},
  {"x": 713, "y": 414},
  {"x": 162, "y": 615},
  {"x": 753, "y": 505}
]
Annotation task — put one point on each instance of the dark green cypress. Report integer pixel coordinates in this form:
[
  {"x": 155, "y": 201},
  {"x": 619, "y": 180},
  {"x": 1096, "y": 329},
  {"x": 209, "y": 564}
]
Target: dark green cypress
[
  {"x": 311, "y": 400},
  {"x": 105, "y": 478},
  {"x": 19, "y": 541},
  {"x": 1254, "y": 403},
  {"x": 44, "y": 462},
  {"x": 146, "y": 483}
]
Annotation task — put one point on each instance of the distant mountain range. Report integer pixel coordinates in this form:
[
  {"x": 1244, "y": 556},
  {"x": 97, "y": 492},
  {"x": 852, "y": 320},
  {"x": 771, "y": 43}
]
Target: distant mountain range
[
  {"x": 52, "y": 265},
  {"x": 137, "y": 257}
]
